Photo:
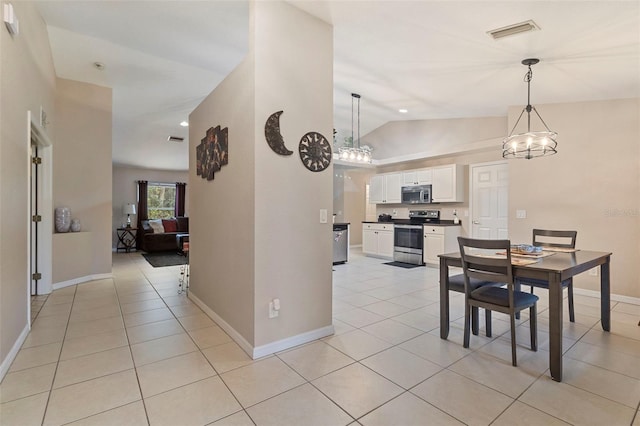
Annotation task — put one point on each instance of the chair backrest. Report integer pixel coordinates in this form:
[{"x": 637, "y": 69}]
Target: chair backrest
[
  {"x": 564, "y": 239},
  {"x": 486, "y": 265}
]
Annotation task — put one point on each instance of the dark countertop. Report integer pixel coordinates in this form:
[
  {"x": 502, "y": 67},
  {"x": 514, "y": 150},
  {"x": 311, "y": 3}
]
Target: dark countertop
[
  {"x": 342, "y": 223},
  {"x": 408, "y": 221}
]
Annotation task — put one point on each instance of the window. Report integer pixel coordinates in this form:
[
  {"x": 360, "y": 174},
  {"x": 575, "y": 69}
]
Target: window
[{"x": 161, "y": 200}]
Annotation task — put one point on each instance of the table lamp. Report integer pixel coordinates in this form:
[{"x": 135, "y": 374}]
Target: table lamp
[{"x": 129, "y": 209}]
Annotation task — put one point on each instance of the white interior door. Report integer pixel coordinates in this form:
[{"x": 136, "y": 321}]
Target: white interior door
[{"x": 489, "y": 200}]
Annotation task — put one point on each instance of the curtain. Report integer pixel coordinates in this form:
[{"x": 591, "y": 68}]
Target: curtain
[
  {"x": 181, "y": 188},
  {"x": 143, "y": 213}
]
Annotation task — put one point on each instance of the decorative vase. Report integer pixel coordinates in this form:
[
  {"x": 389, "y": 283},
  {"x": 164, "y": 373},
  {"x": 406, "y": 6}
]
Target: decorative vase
[
  {"x": 75, "y": 225},
  {"x": 63, "y": 219}
]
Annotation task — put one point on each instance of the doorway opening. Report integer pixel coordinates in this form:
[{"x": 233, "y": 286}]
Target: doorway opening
[{"x": 40, "y": 209}]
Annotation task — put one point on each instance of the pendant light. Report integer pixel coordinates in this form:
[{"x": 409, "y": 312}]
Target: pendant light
[
  {"x": 530, "y": 144},
  {"x": 355, "y": 152}
]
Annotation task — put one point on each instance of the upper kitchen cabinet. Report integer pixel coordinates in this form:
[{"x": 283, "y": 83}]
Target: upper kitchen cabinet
[
  {"x": 385, "y": 189},
  {"x": 416, "y": 177},
  {"x": 447, "y": 184}
]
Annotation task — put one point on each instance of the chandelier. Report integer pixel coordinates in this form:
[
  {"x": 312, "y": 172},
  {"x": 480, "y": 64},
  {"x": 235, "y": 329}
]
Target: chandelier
[
  {"x": 529, "y": 144},
  {"x": 355, "y": 153}
]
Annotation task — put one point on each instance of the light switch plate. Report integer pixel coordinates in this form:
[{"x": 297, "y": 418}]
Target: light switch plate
[{"x": 323, "y": 215}]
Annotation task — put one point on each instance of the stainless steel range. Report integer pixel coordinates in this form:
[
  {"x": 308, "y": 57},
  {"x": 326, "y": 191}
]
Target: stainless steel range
[{"x": 408, "y": 237}]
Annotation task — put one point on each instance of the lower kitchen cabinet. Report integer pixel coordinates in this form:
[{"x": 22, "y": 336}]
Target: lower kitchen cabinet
[
  {"x": 439, "y": 240},
  {"x": 377, "y": 239}
]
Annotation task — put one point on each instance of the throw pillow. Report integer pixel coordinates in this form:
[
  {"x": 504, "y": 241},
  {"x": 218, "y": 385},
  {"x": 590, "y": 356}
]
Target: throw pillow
[
  {"x": 156, "y": 224},
  {"x": 170, "y": 225}
]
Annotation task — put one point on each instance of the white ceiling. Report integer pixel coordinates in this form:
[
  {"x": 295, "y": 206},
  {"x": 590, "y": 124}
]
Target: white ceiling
[{"x": 433, "y": 58}]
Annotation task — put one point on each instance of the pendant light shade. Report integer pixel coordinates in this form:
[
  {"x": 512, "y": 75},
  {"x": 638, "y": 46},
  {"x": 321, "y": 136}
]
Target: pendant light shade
[{"x": 530, "y": 144}]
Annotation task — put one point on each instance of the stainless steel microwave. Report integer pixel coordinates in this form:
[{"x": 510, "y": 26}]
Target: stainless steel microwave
[{"x": 416, "y": 194}]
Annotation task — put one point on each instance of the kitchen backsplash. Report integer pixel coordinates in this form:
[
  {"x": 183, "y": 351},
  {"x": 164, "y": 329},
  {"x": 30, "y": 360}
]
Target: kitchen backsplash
[{"x": 446, "y": 213}]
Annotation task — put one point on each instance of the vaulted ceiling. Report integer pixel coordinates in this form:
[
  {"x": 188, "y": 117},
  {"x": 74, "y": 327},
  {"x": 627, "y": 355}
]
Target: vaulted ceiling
[{"x": 433, "y": 58}]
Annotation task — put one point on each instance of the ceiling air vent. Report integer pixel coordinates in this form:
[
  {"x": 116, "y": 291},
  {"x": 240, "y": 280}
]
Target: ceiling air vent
[
  {"x": 514, "y": 29},
  {"x": 175, "y": 139}
]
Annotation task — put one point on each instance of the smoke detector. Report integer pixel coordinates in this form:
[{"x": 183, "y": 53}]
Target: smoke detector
[
  {"x": 514, "y": 29},
  {"x": 175, "y": 139}
]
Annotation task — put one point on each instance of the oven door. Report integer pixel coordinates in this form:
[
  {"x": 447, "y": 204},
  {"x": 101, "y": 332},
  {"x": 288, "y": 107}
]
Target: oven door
[{"x": 407, "y": 244}]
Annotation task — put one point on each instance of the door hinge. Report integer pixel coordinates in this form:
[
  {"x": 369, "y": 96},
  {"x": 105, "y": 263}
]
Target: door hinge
[
  {"x": 36, "y": 218},
  {"x": 36, "y": 276},
  {"x": 36, "y": 160}
]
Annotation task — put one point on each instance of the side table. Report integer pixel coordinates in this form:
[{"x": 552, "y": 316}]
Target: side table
[{"x": 126, "y": 239}]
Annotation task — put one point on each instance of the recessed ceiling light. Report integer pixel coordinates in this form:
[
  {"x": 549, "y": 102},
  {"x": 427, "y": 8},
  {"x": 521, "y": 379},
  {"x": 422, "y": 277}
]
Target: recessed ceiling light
[
  {"x": 184, "y": 124},
  {"x": 99, "y": 65},
  {"x": 403, "y": 110}
]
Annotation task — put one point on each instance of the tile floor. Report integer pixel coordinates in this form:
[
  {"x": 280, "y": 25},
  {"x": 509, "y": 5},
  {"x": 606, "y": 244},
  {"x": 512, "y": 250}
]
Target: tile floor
[{"x": 131, "y": 351}]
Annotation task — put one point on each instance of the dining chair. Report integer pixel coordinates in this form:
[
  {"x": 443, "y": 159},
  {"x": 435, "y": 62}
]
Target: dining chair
[
  {"x": 456, "y": 283},
  {"x": 560, "y": 239},
  {"x": 480, "y": 262}
]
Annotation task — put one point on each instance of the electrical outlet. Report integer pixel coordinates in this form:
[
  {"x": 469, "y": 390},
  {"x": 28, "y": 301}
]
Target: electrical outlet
[
  {"x": 594, "y": 272},
  {"x": 521, "y": 214}
]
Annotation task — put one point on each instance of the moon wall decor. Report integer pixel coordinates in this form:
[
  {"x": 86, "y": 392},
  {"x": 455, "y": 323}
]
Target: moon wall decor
[
  {"x": 273, "y": 135},
  {"x": 315, "y": 151}
]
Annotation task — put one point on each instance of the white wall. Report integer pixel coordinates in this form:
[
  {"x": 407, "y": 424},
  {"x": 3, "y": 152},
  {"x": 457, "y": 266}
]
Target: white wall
[
  {"x": 255, "y": 231},
  {"x": 125, "y": 190},
  {"x": 591, "y": 185},
  {"x": 82, "y": 168},
  {"x": 27, "y": 81}
]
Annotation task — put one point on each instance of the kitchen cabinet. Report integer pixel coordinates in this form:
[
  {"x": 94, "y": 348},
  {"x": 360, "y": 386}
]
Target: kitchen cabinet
[
  {"x": 439, "y": 240},
  {"x": 385, "y": 189},
  {"x": 447, "y": 185},
  {"x": 377, "y": 239},
  {"x": 416, "y": 177}
]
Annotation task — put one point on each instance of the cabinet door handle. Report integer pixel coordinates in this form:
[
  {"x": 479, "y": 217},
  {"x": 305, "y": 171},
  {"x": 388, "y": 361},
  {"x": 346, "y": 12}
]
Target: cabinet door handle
[{"x": 476, "y": 222}]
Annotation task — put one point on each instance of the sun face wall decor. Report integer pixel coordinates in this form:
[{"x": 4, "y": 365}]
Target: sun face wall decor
[
  {"x": 315, "y": 151},
  {"x": 213, "y": 152}
]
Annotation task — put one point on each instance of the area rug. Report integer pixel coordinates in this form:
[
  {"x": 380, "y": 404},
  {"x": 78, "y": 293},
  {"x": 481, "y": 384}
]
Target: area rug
[
  {"x": 160, "y": 259},
  {"x": 403, "y": 265}
]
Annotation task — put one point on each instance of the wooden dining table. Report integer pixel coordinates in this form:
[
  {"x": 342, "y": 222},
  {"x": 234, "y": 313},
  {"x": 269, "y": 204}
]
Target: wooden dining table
[{"x": 555, "y": 269}]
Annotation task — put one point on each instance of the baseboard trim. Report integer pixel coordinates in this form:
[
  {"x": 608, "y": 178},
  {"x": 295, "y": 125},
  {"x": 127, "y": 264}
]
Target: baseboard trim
[
  {"x": 269, "y": 348},
  {"x": 81, "y": 280},
  {"x": 237, "y": 337},
  {"x": 614, "y": 297},
  {"x": 6, "y": 363},
  {"x": 293, "y": 341}
]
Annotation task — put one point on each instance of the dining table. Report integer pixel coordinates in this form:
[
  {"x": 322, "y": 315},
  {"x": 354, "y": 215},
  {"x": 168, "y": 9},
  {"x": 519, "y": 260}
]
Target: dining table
[{"x": 554, "y": 268}]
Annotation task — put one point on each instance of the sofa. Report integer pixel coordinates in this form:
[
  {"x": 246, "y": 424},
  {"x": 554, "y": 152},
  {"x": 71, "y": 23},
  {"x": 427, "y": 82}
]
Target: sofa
[{"x": 164, "y": 234}]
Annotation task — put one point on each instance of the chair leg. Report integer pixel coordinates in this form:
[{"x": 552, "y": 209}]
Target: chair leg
[
  {"x": 467, "y": 325},
  {"x": 533, "y": 327},
  {"x": 487, "y": 320},
  {"x": 475, "y": 318},
  {"x": 516, "y": 287},
  {"x": 513, "y": 339},
  {"x": 572, "y": 316}
]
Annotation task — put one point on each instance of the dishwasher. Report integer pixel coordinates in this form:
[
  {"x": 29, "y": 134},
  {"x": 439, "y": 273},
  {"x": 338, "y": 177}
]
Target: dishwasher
[{"x": 340, "y": 243}]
